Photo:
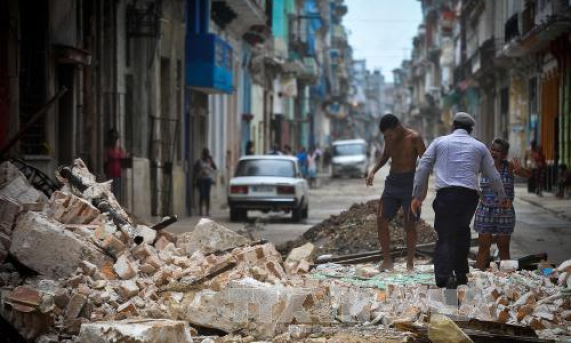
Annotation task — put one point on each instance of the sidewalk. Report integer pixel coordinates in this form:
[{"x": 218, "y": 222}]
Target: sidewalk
[{"x": 559, "y": 207}]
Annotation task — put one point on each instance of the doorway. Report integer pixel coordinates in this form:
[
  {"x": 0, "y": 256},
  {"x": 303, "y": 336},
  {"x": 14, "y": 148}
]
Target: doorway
[{"x": 65, "y": 117}]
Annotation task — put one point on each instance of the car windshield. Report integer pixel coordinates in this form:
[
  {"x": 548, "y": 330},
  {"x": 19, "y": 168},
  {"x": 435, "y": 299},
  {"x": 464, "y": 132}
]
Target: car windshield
[
  {"x": 348, "y": 149},
  {"x": 269, "y": 167}
]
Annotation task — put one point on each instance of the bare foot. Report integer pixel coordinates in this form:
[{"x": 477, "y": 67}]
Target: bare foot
[
  {"x": 410, "y": 266},
  {"x": 387, "y": 265}
]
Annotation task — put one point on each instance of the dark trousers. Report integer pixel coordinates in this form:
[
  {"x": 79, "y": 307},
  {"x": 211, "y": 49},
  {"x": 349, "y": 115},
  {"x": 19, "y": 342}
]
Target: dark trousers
[
  {"x": 204, "y": 186},
  {"x": 454, "y": 208}
]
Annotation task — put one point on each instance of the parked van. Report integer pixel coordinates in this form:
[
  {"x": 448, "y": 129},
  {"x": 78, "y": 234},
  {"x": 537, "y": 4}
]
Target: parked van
[{"x": 349, "y": 158}]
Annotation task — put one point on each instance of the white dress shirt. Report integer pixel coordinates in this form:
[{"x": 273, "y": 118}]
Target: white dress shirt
[{"x": 457, "y": 159}]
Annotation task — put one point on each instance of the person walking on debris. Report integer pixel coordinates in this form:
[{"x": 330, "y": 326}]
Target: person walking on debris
[
  {"x": 113, "y": 156},
  {"x": 492, "y": 219},
  {"x": 403, "y": 146},
  {"x": 204, "y": 170},
  {"x": 457, "y": 160}
]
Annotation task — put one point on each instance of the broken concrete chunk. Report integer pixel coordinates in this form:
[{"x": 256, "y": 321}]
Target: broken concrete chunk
[
  {"x": 61, "y": 297},
  {"x": 209, "y": 237},
  {"x": 147, "y": 268},
  {"x": 99, "y": 284},
  {"x": 127, "y": 308},
  {"x": 162, "y": 242},
  {"x": 9, "y": 211},
  {"x": 136, "y": 331},
  {"x": 124, "y": 268},
  {"x": 128, "y": 289},
  {"x": 14, "y": 185},
  {"x": 509, "y": 265},
  {"x": 88, "y": 268},
  {"x": 25, "y": 299},
  {"x": 149, "y": 235},
  {"x": 75, "y": 306},
  {"x": 443, "y": 330},
  {"x": 66, "y": 208},
  {"x": 113, "y": 246},
  {"x": 302, "y": 253},
  {"x": 72, "y": 326},
  {"x": 44, "y": 246},
  {"x": 142, "y": 251},
  {"x": 3, "y": 252}
]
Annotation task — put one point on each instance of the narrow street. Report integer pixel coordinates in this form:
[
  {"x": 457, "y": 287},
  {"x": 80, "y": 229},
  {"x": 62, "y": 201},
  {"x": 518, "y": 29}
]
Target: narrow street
[{"x": 543, "y": 224}]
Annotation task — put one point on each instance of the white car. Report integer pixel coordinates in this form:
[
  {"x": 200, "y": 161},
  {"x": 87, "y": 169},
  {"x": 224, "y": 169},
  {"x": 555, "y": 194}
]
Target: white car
[
  {"x": 350, "y": 158},
  {"x": 268, "y": 183}
]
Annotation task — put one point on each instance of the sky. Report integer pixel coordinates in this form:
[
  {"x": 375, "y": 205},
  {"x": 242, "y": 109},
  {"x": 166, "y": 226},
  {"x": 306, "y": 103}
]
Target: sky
[{"x": 381, "y": 31}]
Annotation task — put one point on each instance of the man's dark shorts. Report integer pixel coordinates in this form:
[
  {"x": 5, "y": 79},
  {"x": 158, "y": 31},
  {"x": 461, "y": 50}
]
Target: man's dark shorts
[{"x": 398, "y": 193}]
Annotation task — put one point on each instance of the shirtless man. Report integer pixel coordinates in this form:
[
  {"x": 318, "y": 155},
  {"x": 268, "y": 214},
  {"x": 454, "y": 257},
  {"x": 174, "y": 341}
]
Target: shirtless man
[{"x": 403, "y": 146}]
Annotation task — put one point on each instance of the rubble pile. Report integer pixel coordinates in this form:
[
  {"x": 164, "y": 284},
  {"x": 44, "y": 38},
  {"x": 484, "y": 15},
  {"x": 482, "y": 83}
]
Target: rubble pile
[
  {"x": 517, "y": 298},
  {"x": 75, "y": 268},
  {"x": 355, "y": 231}
]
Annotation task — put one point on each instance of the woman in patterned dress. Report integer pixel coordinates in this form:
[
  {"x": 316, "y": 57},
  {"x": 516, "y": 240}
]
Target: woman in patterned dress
[{"x": 492, "y": 219}]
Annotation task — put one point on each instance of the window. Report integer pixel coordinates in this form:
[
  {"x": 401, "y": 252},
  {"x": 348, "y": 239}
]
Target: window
[
  {"x": 348, "y": 149},
  {"x": 268, "y": 167}
]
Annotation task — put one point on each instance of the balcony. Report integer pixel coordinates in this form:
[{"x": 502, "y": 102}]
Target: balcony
[
  {"x": 244, "y": 14},
  {"x": 538, "y": 37},
  {"x": 209, "y": 61},
  {"x": 339, "y": 36},
  {"x": 310, "y": 72}
]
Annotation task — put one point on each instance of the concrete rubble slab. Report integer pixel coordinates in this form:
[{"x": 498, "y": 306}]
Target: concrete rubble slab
[
  {"x": 136, "y": 331},
  {"x": 45, "y": 246},
  {"x": 9, "y": 211},
  {"x": 14, "y": 185},
  {"x": 209, "y": 237},
  {"x": 256, "y": 308}
]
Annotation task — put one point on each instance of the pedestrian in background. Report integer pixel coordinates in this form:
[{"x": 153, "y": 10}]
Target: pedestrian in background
[
  {"x": 535, "y": 160},
  {"x": 302, "y": 160},
  {"x": 312, "y": 158},
  {"x": 275, "y": 150},
  {"x": 563, "y": 180},
  {"x": 112, "y": 163},
  {"x": 287, "y": 150},
  {"x": 204, "y": 171},
  {"x": 249, "y": 148},
  {"x": 457, "y": 160},
  {"x": 491, "y": 219}
]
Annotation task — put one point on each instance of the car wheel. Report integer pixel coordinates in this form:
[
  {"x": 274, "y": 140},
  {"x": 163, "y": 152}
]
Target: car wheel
[
  {"x": 297, "y": 214},
  {"x": 305, "y": 212}
]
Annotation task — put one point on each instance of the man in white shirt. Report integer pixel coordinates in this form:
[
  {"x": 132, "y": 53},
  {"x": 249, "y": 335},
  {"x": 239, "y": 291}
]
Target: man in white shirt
[{"x": 457, "y": 160}]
